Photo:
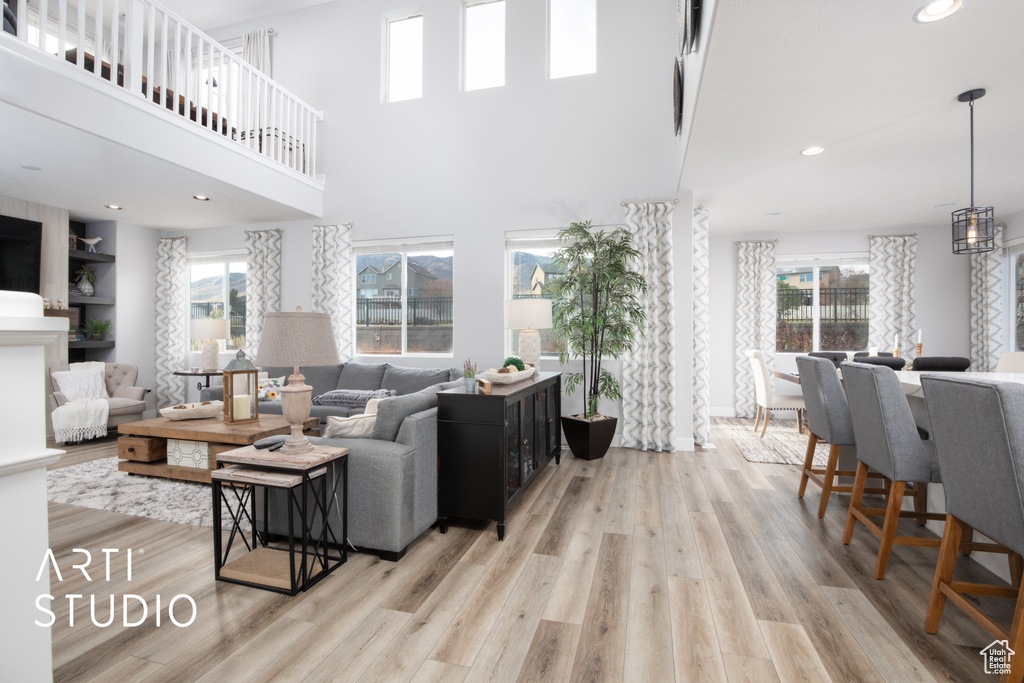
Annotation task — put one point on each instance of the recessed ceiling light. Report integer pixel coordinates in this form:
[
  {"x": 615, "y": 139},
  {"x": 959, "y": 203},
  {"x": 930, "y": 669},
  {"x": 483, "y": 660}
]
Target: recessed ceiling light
[
  {"x": 938, "y": 9},
  {"x": 32, "y": 168},
  {"x": 811, "y": 151},
  {"x": 113, "y": 207},
  {"x": 200, "y": 198},
  {"x": 774, "y": 213}
]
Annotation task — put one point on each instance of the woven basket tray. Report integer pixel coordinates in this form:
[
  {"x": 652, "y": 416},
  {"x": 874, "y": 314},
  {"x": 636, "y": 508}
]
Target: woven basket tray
[{"x": 510, "y": 378}]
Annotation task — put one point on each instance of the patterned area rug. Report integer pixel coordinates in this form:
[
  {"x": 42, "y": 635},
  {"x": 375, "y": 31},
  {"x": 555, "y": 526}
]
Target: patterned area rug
[
  {"x": 98, "y": 485},
  {"x": 782, "y": 444}
]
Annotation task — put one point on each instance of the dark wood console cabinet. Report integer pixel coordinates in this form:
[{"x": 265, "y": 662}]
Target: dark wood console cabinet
[{"x": 491, "y": 447}]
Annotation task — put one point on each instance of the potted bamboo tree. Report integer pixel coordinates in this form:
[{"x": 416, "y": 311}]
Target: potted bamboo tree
[{"x": 598, "y": 314}]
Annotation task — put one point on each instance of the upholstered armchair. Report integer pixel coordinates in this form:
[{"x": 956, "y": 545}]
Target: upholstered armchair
[{"x": 127, "y": 401}]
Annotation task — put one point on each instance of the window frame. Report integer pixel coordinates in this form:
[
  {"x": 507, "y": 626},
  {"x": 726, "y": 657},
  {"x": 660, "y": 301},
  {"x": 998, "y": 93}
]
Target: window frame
[
  {"x": 403, "y": 247},
  {"x": 464, "y": 48},
  {"x": 816, "y": 261},
  {"x": 1011, "y": 252},
  {"x": 520, "y": 240},
  {"x": 226, "y": 258},
  {"x": 387, "y": 19}
]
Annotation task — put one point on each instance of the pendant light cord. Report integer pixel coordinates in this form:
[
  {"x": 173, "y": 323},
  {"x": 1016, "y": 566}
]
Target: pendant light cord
[{"x": 972, "y": 152}]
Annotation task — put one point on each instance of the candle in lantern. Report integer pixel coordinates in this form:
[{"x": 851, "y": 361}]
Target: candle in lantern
[{"x": 241, "y": 407}]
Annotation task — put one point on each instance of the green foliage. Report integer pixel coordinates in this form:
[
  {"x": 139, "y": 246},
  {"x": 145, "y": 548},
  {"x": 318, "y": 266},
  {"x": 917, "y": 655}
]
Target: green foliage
[
  {"x": 469, "y": 368},
  {"x": 97, "y": 327},
  {"x": 85, "y": 273},
  {"x": 596, "y": 307},
  {"x": 516, "y": 361}
]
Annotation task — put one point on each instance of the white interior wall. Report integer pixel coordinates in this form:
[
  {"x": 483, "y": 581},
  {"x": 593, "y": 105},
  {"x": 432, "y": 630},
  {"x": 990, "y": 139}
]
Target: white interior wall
[
  {"x": 941, "y": 294},
  {"x": 536, "y": 153}
]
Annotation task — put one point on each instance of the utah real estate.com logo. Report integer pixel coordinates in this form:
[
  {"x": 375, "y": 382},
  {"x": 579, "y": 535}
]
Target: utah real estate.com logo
[{"x": 997, "y": 657}]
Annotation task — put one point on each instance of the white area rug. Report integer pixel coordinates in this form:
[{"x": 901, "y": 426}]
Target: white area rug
[
  {"x": 98, "y": 485},
  {"x": 782, "y": 444}
]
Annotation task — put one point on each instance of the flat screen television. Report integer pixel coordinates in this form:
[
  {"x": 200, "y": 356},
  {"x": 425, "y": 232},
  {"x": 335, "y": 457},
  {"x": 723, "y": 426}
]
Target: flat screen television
[{"x": 21, "y": 244}]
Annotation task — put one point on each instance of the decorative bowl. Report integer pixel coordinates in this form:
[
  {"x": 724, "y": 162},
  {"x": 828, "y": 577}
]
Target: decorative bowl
[{"x": 193, "y": 411}]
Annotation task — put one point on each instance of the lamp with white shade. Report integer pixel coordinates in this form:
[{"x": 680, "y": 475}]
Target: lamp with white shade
[
  {"x": 296, "y": 339},
  {"x": 210, "y": 330},
  {"x": 528, "y": 315}
]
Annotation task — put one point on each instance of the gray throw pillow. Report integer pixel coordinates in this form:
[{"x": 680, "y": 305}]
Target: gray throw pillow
[
  {"x": 391, "y": 412},
  {"x": 361, "y": 376},
  {"x": 410, "y": 380},
  {"x": 351, "y": 398}
]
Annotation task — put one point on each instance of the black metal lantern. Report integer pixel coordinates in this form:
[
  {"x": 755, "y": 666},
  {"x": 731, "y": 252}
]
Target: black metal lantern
[{"x": 974, "y": 228}]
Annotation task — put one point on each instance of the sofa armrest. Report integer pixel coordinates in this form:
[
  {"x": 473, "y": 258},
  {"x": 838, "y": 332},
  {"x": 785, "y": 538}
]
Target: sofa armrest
[
  {"x": 419, "y": 432},
  {"x": 57, "y": 399},
  {"x": 212, "y": 394},
  {"x": 134, "y": 393}
]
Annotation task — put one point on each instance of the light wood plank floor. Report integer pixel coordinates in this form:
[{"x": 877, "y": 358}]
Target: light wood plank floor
[{"x": 639, "y": 567}]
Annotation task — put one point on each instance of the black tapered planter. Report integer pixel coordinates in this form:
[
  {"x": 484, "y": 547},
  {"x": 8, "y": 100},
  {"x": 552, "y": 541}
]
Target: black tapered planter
[{"x": 588, "y": 440}]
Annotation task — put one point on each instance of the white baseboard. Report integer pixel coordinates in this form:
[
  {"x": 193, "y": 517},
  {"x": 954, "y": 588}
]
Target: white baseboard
[
  {"x": 722, "y": 412},
  {"x": 684, "y": 444}
]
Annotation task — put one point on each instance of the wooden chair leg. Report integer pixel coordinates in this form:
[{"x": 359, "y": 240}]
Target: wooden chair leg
[
  {"x": 921, "y": 501},
  {"x": 757, "y": 419},
  {"x": 944, "y": 566},
  {"x": 967, "y": 537},
  {"x": 830, "y": 476},
  {"x": 1016, "y": 569},
  {"x": 812, "y": 442},
  {"x": 859, "y": 480},
  {"x": 1017, "y": 642},
  {"x": 799, "y": 421},
  {"x": 767, "y": 415},
  {"x": 892, "y": 518}
]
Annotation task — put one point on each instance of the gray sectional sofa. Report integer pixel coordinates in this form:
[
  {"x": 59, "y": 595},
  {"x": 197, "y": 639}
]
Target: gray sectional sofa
[{"x": 392, "y": 491}]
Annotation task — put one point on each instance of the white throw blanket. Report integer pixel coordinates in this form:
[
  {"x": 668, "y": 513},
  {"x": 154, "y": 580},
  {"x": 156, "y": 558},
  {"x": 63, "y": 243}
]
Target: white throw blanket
[{"x": 84, "y": 416}]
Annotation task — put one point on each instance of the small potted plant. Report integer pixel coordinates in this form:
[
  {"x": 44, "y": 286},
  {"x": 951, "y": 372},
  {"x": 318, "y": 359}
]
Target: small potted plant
[
  {"x": 597, "y": 312},
  {"x": 469, "y": 374},
  {"x": 96, "y": 329},
  {"x": 85, "y": 279}
]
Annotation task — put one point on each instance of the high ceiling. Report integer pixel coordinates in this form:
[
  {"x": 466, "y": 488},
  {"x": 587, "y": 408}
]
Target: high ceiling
[
  {"x": 211, "y": 14},
  {"x": 878, "y": 91}
]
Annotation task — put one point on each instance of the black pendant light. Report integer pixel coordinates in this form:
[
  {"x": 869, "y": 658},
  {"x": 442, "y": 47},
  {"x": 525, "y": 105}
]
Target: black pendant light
[{"x": 974, "y": 228}]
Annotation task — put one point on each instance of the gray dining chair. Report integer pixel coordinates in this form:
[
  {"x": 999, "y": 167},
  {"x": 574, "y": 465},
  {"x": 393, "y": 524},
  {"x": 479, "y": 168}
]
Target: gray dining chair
[
  {"x": 828, "y": 421},
  {"x": 978, "y": 428},
  {"x": 888, "y": 442}
]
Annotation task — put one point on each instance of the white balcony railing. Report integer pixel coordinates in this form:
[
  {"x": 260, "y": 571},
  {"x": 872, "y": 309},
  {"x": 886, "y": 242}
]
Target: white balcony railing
[{"x": 169, "y": 63}]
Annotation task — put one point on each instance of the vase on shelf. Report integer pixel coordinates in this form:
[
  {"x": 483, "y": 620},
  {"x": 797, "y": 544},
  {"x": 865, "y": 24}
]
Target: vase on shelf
[{"x": 86, "y": 288}]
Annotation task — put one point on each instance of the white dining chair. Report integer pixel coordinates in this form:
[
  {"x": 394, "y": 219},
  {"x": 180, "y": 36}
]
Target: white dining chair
[
  {"x": 1010, "y": 361},
  {"x": 767, "y": 400}
]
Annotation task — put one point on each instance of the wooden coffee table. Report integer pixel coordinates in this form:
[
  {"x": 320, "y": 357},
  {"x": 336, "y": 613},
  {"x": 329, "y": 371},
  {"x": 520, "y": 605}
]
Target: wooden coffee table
[{"x": 142, "y": 445}]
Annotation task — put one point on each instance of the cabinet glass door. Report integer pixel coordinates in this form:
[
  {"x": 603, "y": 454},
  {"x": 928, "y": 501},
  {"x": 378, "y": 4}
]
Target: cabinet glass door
[
  {"x": 513, "y": 448},
  {"x": 529, "y": 435},
  {"x": 553, "y": 420}
]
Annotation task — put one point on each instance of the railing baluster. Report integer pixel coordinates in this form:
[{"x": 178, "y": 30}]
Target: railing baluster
[
  {"x": 62, "y": 27},
  {"x": 209, "y": 87},
  {"x": 23, "y": 23},
  {"x": 97, "y": 62},
  {"x": 115, "y": 44},
  {"x": 80, "y": 44},
  {"x": 151, "y": 70},
  {"x": 44, "y": 24}
]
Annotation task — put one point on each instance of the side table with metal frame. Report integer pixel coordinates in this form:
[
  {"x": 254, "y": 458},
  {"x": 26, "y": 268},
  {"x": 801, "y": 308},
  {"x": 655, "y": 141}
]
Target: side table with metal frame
[{"x": 307, "y": 478}]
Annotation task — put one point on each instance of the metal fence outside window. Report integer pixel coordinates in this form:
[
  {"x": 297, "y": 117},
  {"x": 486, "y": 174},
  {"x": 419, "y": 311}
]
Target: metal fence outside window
[
  {"x": 421, "y": 311},
  {"x": 836, "y": 304},
  {"x": 237, "y": 316}
]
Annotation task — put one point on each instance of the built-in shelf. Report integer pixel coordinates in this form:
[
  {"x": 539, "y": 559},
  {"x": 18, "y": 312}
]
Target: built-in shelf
[
  {"x": 107, "y": 344},
  {"x": 80, "y": 300},
  {"x": 89, "y": 256}
]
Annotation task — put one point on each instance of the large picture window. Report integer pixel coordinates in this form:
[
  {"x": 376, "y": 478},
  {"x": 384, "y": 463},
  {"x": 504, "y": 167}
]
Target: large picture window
[
  {"x": 404, "y": 297},
  {"x": 822, "y": 307},
  {"x": 217, "y": 288},
  {"x": 529, "y": 268}
]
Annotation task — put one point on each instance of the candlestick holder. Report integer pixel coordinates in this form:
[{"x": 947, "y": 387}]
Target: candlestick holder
[
  {"x": 896, "y": 353},
  {"x": 918, "y": 347}
]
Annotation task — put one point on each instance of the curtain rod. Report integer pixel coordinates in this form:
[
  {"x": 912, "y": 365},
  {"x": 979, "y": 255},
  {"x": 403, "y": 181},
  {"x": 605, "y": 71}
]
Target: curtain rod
[
  {"x": 912, "y": 234},
  {"x": 339, "y": 225},
  {"x": 251, "y": 232},
  {"x": 662, "y": 201},
  {"x": 757, "y": 241}
]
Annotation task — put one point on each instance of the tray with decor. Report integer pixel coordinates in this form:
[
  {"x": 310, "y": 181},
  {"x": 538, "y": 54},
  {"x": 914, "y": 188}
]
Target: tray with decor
[
  {"x": 193, "y": 411},
  {"x": 496, "y": 377}
]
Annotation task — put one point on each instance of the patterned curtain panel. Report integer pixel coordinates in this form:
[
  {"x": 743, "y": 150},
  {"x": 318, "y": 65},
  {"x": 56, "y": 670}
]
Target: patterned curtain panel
[
  {"x": 701, "y": 290},
  {"x": 987, "y": 282},
  {"x": 333, "y": 282},
  {"x": 648, "y": 373},
  {"x": 755, "y": 317},
  {"x": 891, "y": 310},
  {"x": 263, "y": 282},
  {"x": 171, "y": 309}
]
